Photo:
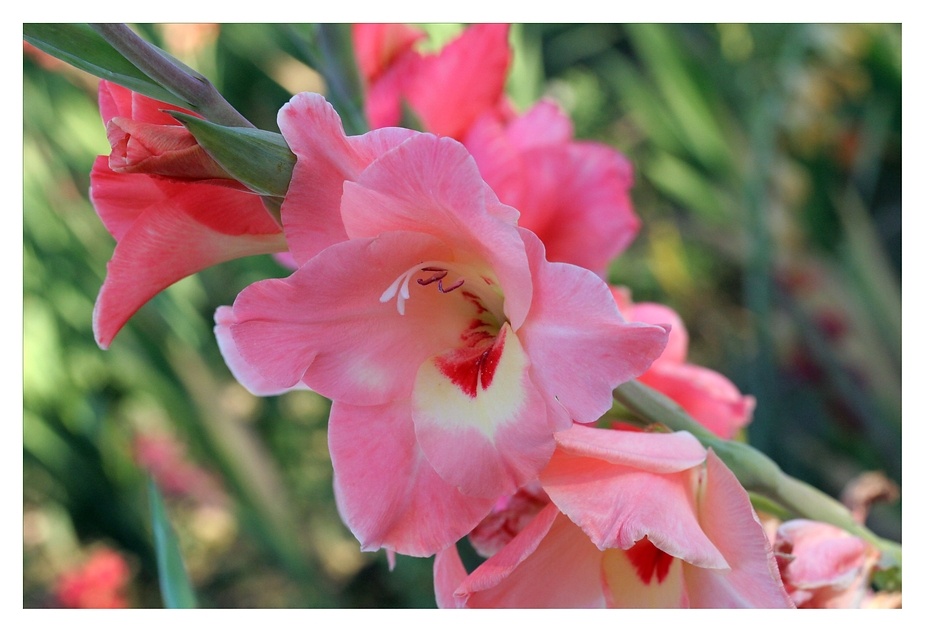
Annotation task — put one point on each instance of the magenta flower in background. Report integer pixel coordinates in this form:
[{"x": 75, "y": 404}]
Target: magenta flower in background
[
  {"x": 452, "y": 350},
  {"x": 168, "y": 207}
]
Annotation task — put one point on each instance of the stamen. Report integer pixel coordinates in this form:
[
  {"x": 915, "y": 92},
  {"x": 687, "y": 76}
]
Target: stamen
[
  {"x": 451, "y": 288},
  {"x": 400, "y": 286}
]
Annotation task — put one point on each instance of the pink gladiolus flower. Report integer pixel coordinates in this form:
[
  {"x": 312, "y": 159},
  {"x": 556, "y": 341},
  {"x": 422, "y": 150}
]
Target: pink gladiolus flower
[
  {"x": 823, "y": 566},
  {"x": 706, "y": 395},
  {"x": 446, "y": 91},
  {"x": 452, "y": 350},
  {"x": 168, "y": 205},
  {"x": 573, "y": 194},
  {"x": 99, "y": 583},
  {"x": 637, "y": 520}
]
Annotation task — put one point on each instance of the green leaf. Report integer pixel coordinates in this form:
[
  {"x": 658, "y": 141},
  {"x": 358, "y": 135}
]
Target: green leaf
[
  {"x": 83, "y": 48},
  {"x": 259, "y": 159},
  {"x": 175, "y": 585}
]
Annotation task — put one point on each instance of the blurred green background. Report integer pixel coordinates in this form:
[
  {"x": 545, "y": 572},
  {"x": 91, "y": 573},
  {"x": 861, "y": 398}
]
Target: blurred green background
[{"x": 769, "y": 183}]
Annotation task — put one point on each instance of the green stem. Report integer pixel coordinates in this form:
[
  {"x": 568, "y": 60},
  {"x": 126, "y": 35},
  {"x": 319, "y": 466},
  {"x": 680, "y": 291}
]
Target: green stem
[
  {"x": 172, "y": 75},
  {"x": 755, "y": 471}
]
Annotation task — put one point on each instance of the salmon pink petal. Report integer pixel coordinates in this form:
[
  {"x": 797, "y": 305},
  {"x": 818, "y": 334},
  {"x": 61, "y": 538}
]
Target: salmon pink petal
[
  {"x": 653, "y": 452},
  {"x": 378, "y": 45},
  {"x": 706, "y": 395},
  {"x": 386, "y": 490},
  {"x": 167, "y": 231},
  {"x": 114, "y": 101},
  {"x": 449, "y": 90},
  {"x": 325, "y": 159},
  {"x": 727, "y": 517},
  {"x": 249, "y": 377},
  {"x": 579, "y": 346},
  {"x": 449, "y": 573},
  {"x": 327, "y": 324},
  {"x": 479, "y": 418},
  {"x": 653, "y": 313},
  {"x": 550, "y": 564},
  {"x": 431, "y": 185},
  {"x": 618, "y": 505}
]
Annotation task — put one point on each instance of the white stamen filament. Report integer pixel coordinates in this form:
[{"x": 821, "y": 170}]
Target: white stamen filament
[{"x": 400, "y": 286}]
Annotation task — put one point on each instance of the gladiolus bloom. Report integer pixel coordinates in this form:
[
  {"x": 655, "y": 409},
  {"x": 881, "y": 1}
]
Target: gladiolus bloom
[
  {"x": 635, "y": 520},
  {"x": 707, "y": 396},
  {"x": 452, "y": 350},
  {"x": 823, "y": 566},
  {"x": 167, "y": 205}
]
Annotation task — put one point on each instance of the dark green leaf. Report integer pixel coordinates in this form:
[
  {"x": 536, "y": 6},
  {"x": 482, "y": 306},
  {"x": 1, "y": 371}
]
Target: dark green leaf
[
  {"x": 80, "y": 46},
  {"x": 175, "y": 585},
  {"x": 259, "y": 159}
]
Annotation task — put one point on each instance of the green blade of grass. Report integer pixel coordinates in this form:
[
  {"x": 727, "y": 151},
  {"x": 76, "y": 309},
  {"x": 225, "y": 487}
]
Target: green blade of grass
[{"x": 176, "y": 590}]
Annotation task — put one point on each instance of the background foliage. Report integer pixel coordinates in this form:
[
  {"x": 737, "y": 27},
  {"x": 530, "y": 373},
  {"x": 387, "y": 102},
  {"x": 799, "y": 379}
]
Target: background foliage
[{"x": 768, "y": 178}]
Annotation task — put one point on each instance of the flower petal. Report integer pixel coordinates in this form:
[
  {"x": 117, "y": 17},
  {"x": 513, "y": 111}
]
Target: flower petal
[
  {"x": 386, "y": 491},
  {"x": 480, "y": 420},
  {"x": 707, "y": 396},
  {"x": 618, "y": 504},
  {"x": 326, "y": 158},
  {"x": 579, "y": 345},
  {"x": 167, "y": 231},
  {"x": 550, "y": 564},
  {"x": 727, "y": 517}
]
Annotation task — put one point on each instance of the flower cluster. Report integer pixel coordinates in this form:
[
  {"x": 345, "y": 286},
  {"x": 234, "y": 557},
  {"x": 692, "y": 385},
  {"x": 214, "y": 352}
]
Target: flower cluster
[{"x": 449, "y": 297}]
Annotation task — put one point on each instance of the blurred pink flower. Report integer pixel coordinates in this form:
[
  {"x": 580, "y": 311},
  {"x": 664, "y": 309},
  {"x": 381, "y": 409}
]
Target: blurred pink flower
[
  {"x": 823, "y": 566},
  {"x": 164, "y": 457},
  {"x": 635, "y": 520},
  {"x": 452, "y": 350},
  {"x": 171, "y": 208},
  {"x": 707, "y": 396},
  {"x": 99, "y": 583}
]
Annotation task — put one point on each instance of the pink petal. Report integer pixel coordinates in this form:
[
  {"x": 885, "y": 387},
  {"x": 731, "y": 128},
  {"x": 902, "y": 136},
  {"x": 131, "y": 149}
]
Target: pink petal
[
  {"x": 618, "y": 505},
  {"x": 727, "y": 517},
  {"x": 578, "y": 344},
  {"x": 244, "y": 373},
  {"x": 550, "y": 564},
  {"x": 327, "y": 325},
  {"x": 492, "y": 437},
  {"x": 449, "y": 573},
  {"x": 449, "y": 90},
  {"x": 573, "y": 195},
  {"x": 326, "y": 158},
  {"x": 167, "y": 231},
  {"x": 386, "y": 491},
  {"x": 431, "y": 185},
  {"x": 655, "y": 314},
  {"x": 824, "y": 555},
  {"x": 378, "y": 45},
  {"x": 706, "y": 395},
  {"x": 115, "y": 100},
  {"x": 657, "y": 453}
]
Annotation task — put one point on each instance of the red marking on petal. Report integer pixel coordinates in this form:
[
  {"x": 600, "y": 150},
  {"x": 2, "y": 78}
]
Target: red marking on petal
[
  {"x": 468, "y": 366},
  {"x": 649, "y": 561},
  {"x": 475, "y": 300}
]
